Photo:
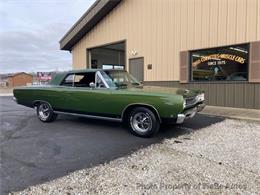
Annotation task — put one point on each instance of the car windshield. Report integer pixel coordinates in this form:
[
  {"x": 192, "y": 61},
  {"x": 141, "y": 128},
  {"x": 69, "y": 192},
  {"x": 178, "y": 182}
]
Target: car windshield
[{"x": 123, "y": 79}]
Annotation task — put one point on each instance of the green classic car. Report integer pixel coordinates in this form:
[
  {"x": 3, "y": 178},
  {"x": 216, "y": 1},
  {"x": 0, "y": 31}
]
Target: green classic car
[{"x": 111, "y": 95}]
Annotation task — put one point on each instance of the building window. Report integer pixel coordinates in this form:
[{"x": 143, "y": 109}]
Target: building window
[
  {"x": 220, "y": 64},
  {"x": 111, "y": 66}
]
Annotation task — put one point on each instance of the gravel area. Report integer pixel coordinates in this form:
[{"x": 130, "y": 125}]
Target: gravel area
[{"x": 222, "y": 158}]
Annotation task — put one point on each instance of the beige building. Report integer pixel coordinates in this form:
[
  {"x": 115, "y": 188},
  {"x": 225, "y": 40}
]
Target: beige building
[{"x": 209, "y": 44}]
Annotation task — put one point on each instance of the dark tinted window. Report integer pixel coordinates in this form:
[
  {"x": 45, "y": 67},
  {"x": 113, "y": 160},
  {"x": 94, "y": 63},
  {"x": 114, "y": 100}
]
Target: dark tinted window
[
  {"x": 79, "y": 79},
  {"x": 220, "y": 64},
  {"x": 84, "y": 79}
]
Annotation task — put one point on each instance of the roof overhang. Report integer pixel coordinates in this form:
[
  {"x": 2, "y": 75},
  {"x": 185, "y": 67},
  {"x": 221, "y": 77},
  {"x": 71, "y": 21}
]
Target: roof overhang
[
  {"x": 15, "y": 74},
  {"x": 92, "y": 16}
]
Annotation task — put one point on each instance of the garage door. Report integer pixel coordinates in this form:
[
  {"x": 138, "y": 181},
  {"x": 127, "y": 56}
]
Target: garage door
[{"x": 136, "y": 68}]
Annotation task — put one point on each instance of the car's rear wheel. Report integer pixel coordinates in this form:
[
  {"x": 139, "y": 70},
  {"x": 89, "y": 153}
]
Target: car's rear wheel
[
  {"x": 45, "y": 112},
  {"x": 143, "y": 122}
]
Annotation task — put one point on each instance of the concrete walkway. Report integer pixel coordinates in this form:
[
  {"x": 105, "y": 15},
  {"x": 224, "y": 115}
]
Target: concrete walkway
[
  {"x": 6, "y": 94},
  {"x": 235, "y": 113},
  {"x": 6, "y": 91}
]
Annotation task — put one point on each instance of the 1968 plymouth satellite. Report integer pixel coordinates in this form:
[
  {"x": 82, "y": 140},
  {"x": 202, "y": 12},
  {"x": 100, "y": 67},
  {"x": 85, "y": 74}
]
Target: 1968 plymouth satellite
[{"x": 111, "y": 95}]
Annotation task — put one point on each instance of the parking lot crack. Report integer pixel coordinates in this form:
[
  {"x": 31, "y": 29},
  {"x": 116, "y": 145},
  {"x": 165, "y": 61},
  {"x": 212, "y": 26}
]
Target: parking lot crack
[
  {"x": 24, "y": 163},
  {"x": 11, "y": 134}
]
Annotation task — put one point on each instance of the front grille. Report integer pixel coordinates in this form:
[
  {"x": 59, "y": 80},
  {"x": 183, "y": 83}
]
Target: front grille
[{"x": 190, "y": 101}]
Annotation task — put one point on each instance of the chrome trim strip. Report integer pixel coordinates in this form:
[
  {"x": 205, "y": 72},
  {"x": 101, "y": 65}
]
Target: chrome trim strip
[
  {"x": 98, "y": 74},
  {"x": 89, "y": 116},
  {"x": 73, "y": 82},
  {"x": 180, "y": 118},
  {"x": 141, "y": 104},
  {"x": 196, "y": 98}
]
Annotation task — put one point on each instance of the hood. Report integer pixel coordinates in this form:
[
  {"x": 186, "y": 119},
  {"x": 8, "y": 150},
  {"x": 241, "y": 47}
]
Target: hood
[{"x": 167, "y": 90}]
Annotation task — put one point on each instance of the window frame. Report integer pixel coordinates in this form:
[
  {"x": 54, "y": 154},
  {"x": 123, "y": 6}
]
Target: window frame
[
  {"x": 218, "y": 81},
  {"x": 98, "y": 74},
  {"x": 63, "y": 80},
  {"x": 113, "y": 67},
  {"x": 73, "y": 82}
]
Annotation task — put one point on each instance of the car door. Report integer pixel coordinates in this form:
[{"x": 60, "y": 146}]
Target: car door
[{"x": 86, "y": 100}]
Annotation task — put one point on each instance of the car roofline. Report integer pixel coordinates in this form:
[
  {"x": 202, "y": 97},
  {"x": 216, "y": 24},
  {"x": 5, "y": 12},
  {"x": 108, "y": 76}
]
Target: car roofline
[
  {"x": 61, "y": 75},
  {"x": 90, "y": 70}
]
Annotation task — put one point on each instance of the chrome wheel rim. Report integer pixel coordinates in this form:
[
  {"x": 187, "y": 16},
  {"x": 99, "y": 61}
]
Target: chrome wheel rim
[
  {"x": 141, "y": 122},
  {"x": 44, "y": 111}
]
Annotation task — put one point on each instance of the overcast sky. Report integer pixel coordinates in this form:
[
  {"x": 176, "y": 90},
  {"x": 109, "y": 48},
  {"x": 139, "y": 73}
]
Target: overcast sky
[{"x": 30, "y": 31}]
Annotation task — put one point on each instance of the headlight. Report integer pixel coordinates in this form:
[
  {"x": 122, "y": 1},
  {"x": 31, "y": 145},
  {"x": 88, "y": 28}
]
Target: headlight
[{"x": 200, "y": 97}]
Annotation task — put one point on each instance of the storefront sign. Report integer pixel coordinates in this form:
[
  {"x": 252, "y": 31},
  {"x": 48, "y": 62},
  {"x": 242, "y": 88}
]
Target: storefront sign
[
  {"x": 219, "y": 62},
  {"x": 231, "y": 57},
  {"x": 44, "y": 76}
]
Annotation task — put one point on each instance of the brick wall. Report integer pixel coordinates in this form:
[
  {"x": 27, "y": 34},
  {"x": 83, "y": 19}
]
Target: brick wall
[{"x": 19, "y": 80}]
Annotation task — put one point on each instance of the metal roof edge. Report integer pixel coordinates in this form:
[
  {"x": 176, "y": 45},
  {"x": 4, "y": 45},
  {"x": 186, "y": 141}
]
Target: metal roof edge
[
  {"x": 87, "y": 21},
  {"x": 80, "y": 19}
]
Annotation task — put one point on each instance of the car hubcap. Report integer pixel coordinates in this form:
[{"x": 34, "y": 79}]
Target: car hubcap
[
  {"x": 141, "y": 122},
  {"x": 44, "y": 111}
]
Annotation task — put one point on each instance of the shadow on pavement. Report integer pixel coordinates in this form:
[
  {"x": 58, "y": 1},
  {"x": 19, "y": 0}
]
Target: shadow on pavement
[
  {"x": 33, "y": 152},
  {"x": 167, "y": 130}
]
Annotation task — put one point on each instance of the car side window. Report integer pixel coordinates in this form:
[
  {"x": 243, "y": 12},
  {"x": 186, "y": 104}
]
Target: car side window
[
  {"x": 79, "y": 79},
  {"x": 68, "y": 81},
  {"x": 84, "y": 79}
]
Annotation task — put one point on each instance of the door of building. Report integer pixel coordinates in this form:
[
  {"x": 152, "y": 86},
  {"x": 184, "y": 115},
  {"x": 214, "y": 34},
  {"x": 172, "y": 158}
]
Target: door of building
[{"x": 136, "y": 68}]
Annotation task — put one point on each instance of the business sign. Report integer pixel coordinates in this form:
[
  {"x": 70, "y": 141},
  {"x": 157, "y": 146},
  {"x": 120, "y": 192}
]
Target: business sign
[
  {"x": 219, "y": 56},
  {"x": 44, "y": 76}
]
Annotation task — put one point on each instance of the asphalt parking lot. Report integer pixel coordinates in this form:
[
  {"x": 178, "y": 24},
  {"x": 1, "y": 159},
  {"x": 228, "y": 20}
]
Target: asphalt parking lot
[{"x": 33, "y": 152}]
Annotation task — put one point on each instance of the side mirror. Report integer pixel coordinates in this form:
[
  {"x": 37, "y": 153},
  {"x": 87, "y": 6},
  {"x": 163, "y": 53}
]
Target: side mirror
[{"x": 92, "y": 85}]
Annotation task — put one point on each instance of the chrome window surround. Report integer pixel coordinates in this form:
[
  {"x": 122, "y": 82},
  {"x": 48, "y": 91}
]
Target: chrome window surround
[
  {"x": 97, "y": 75},
  {"x": 100, "y": 76}
]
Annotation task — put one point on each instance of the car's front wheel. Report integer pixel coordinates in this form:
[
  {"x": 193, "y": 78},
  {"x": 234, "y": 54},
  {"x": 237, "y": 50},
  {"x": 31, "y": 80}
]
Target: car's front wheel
[
  {"x": 143, "y": 122},
  {"x": 45, "y": 112}
]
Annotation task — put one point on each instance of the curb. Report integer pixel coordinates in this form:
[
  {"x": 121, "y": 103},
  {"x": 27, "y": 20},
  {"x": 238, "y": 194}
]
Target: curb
[
  {"x": 6, "y": 94},
  {"x": 232, "y": 117}
]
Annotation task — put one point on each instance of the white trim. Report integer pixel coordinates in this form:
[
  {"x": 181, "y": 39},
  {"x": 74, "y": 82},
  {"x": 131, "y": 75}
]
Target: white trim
[{"x": 6, "y": 94}]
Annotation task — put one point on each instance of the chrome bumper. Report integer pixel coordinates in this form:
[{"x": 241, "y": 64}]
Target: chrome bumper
[
  {"x": 189, "y": 113},
  {"x": 14, "y": 99}
]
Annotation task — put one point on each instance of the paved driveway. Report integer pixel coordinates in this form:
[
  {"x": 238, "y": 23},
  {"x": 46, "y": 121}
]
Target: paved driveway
[{"x": 34, "y": 152}]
